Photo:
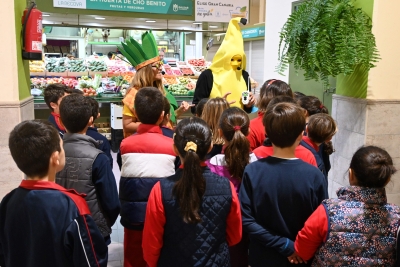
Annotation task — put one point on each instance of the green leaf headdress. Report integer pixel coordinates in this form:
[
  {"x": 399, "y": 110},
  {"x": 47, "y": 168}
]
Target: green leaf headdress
[{"x": 140, "y": 55}]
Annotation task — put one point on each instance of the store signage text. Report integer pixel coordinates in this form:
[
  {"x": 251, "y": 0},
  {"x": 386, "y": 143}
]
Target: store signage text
[
  {"x": 220, "y": 10},
  {"x": 253, "y": 32},
  {"x": 176, "y": 7}
]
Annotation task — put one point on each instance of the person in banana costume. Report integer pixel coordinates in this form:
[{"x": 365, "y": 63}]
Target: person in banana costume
[{"x": 227, "y": 77}]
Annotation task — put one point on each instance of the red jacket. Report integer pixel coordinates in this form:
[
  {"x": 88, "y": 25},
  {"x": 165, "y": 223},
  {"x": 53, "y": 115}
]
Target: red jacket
[
  {"x": 301, "y": 152},
  {"x": 257, "y": 132}
]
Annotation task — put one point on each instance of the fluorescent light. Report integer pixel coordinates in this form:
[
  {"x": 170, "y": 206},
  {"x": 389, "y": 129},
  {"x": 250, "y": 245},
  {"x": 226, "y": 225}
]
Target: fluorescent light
[
  {"x": 150, "y": 21},
  {"x": 45, "y": 15},
  {"x": 100, "y": 18},
  {"x": 212, "y": 26},
  {"x": 197, "y": 23}
]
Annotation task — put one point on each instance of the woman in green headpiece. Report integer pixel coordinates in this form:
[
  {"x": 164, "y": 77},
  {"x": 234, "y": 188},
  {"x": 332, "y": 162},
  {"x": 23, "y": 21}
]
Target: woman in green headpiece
[{"x": 146, "y": 60}]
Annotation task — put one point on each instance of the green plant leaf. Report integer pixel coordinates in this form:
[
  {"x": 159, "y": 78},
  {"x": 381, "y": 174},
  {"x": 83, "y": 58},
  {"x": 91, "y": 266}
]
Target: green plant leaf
[{"x": 327, "y": 38}]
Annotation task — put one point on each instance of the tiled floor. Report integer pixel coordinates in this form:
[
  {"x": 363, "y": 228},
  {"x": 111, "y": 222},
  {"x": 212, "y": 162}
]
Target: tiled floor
[{"x": 115, "y": 249}]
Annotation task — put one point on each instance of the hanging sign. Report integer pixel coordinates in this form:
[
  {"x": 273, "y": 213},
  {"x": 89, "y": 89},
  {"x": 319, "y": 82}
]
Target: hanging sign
[
  {"x": 220, "y": 11},
  {"x": 170, "y": 7},
  {"x": 253, "y": 32}
]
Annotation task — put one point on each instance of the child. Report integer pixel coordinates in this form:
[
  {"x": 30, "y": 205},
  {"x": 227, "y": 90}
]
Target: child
[
  {"x": 193, "y": 216},
  {"x": 104, "y": 144},
  {"x": 211, "y": 113},
  {"x": 200, "y": 107},
  {"x": 320, "y": 129},
  {"x": 359, "y": 228},
  {"x": 313, "y": 106},
  {"x": 297, "y": 95},
  {"x": 147, "y": 157},
  {"x": 279, "y": 193},
  {"x": 233, "y": 128},
  {"x": 269, "y": 90},
  {"x": 87, "y": 168},
  {"x": 166, "y": 121},
  {"x": 42, "y": 223},
  {"x": 267, "y": 150},
  {"x": 53, "y": 95}
]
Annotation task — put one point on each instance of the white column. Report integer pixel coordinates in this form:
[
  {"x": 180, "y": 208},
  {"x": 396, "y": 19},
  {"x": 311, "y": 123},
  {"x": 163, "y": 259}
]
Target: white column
[
  {"x": 199, "y": 43},
  {"x": 276, "y": 14}
]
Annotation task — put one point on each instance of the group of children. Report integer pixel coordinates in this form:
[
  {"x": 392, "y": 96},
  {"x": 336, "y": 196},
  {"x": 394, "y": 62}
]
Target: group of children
[{"x": 218, "y": 190}]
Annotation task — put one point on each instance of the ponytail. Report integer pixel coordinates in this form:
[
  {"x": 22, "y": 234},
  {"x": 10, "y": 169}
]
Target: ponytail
[
  {"x": 190, "y": 189},
  {"x": 192, "y": 139},
  {"x": 234, "y": 124},
  {"x": 328, "y": 148},
  {"x": 237, "y": 154}
]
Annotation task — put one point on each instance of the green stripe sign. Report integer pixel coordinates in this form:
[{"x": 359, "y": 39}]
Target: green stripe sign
[
  {"x": 170, "y": 7},
  {"x": 253, "y": 32}
]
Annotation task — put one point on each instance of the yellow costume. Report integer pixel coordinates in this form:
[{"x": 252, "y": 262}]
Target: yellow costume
[{"x": 227, "y": 72}]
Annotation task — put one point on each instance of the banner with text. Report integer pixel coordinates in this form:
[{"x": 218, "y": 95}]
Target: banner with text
[
  {"x": 168, "y": 7},
  {"x": 253, "y": 32},
  {"x": 221, "y": 11}
]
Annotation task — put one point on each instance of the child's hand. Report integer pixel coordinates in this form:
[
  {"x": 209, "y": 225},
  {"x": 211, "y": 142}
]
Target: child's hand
[
  {"x": 185, "y": 106},
  {"x": 296, "y": 259}
]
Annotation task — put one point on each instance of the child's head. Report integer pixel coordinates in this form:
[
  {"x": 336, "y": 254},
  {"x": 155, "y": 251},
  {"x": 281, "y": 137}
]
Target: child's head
[
  {"x": 211, "y": 113},
  {"x": 167, "y": 110},
  {"x": 200, "y": 107},
  {"x": 76, "y": 91},
  {"x": 36, "y": 147},
  {"x": 192, "y": 141},
  {"x": 297, "y": 95},
  {"x": 95, "y": 107},
  {"x": 284, "y": 124},
  {"x": 372, "y": 167},
  {"x": 53, "y": 95},
  {"x": 321, "y": 128},
  {"x": 76, "y": 113},
  {"x": 271, "y": 89},
  {"x": 234, "y": 127},
  {"x": 312, "y": 105},
  {"x": 149, "y": 105},
  {"x": 281, "y": 99}
]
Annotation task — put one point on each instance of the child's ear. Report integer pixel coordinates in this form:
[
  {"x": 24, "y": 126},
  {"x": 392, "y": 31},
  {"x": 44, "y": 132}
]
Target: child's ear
[
  {"x": 90, "y": 121},
  {"x": 98, "y": 115},
  {"x": 220, "y": 133},
  {"x": 306, "y": 129},
  {"x": 211, "y": 147},
  {"x": 53, "y": 105},
  {"x": 175, "y": 150},
  {"x": 62, "y": 124},
  {"x": 161, "y": 118}
]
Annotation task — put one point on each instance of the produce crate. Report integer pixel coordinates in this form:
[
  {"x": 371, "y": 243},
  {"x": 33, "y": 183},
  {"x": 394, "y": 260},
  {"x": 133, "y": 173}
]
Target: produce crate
[
  {"x": 57, "y": 74},
  {"x": 37, "y": 74},
  {"x": 116, "y": 116},
  {"x": 102, "y": 73},
  {"x": 77, "y": 74}
]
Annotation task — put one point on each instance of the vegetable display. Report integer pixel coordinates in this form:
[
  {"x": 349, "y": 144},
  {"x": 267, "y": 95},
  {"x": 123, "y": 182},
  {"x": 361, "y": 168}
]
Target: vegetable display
[
  {"x": 97, "y": 65},
  {"x": 77, "y": 65},
  {"x": 56, "y": 65}
]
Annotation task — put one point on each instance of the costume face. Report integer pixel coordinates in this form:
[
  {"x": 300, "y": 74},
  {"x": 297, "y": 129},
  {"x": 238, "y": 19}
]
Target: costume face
[
  {"x": 236, "y": 62},
  {"x": 156, "y": 67}
]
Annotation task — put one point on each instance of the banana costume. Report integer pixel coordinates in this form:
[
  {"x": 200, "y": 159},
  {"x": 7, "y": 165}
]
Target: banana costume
[{"x": 226, "y": 73}]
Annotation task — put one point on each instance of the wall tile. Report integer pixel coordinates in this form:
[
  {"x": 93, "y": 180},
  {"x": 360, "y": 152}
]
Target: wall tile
[
  {"x": 383, "y": 119},
  {"x": 347, "y": 142},
  {"x": 10, "y": 117},
  {"x": 351, "y": 116},
  {"x": 391, "y": 143}
]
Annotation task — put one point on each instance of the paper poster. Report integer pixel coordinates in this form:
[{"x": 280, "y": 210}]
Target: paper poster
[{"x": 221, "y": 11}]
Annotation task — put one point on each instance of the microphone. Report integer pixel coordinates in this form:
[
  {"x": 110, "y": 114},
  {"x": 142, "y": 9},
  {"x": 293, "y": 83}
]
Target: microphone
[
  {"x": 239, "y": 68},
  {"x": 163, "y": 72}
]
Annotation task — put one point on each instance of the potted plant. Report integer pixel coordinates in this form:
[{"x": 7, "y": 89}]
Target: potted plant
[{"x": 326, "y": 38}]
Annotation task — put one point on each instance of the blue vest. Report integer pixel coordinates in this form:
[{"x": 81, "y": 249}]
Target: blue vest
[
  {"x": 320, "y": 162},
  {"x": 202, "y": 244}
]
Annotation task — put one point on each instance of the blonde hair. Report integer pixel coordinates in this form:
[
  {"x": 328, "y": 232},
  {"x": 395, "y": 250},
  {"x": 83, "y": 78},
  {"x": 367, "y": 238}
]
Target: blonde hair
[
  {"x": 212, "y": 113},
  {"x": 145, "y": 78}
]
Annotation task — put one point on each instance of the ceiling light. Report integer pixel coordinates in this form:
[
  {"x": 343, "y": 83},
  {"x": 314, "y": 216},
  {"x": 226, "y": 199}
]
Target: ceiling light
[
  {"x": 212, "y": 26},
  {"x": 197, "y": 23},
  {"x": 150, "y": 21},
  {"x": 100, "y": 18},
  {"x": 45, "y": 15}
]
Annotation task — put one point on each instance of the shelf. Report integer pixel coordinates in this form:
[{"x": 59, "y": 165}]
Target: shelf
[{"x": 102, "y": 43}]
